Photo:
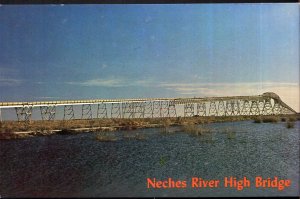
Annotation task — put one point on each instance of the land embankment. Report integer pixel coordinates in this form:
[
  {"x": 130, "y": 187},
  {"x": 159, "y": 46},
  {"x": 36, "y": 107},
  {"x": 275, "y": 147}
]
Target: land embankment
[{"x": 15, "y": 129}]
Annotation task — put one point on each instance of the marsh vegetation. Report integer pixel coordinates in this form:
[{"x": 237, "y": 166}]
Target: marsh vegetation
[{"x": 191, "y": 125}]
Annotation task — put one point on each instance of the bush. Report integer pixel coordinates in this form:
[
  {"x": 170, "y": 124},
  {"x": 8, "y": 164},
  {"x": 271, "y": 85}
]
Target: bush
[
  {"x": 292, "y": 119},
  {"x": 195, "y": 130},
  {"x": 257, "y": 120},
  {"x": 270, "y": 120},
  {"x": 106, "y": 137},
  {"x": 290, "y": 125},
  {"x": 231, "y": 134}
]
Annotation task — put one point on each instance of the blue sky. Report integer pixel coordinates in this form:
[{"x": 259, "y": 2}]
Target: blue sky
[{"x": 51, "y": 52}]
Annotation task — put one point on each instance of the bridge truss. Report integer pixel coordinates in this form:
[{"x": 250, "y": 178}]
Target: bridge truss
[{"x": 265, "y": 104}]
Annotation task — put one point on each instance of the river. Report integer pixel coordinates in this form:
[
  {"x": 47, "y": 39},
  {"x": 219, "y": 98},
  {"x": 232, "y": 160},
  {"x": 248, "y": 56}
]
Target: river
[{"x": 81, "y": 166}]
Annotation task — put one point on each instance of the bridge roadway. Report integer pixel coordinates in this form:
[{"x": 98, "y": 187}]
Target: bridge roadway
[{"x": 266, "y": 104}]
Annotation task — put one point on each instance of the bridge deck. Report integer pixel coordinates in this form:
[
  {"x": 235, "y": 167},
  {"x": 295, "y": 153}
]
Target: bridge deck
[{"x": 97, "y": 101}]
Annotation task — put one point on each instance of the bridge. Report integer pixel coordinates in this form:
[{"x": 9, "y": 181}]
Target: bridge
[{"x": 266, "y": 104}]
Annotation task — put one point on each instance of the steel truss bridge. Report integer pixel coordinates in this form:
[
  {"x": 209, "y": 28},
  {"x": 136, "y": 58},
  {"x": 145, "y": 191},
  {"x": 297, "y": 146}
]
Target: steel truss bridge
[{"x": 266, "y": 104}]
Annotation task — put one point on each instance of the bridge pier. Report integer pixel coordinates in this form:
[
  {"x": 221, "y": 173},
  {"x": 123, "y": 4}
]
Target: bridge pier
[
  {"x": 86, "y": 111},
  {"x": 277, "y": 108},
  {"x": 245, "y": 108},
  {"x": 127, "y": 110},
  {"x": 24, "y": 113},
  {"x": 213, "y": 109},
  {"x": 267, "y": 110},
  {"x": 201, "y": 109},
  {"x": 164, "y": 109},
  {"x": 232, "y": 108},
  {"x": 236, "y": 107},
  {"x": 221, "y": 108},
  {"x": 115, "y": 110},
  {"x": 254, "y": 109},
  {"x": 101, "y": 111},
  {"x": 148, "y": 109},
  {"x": 188, "y": 110},
  {"x": 69, "y": 112},
  {"x": 156, "y": 111},
  {"x": 261, "y": 104},
  {"x": 139, "y": 109},
  {"x": 48, "y": 112},
  {"x": 172, "y": 109}
]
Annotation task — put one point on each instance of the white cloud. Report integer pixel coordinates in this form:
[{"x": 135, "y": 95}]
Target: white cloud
[
  {"x": 114, "y": 82},
  {"x": 103, "y": 65},
  {"x": 9, "y": 82},
  {"x": 288, "y": 92},
  {"x": 148, "y": 19},
  {"x": 46, "y": 97}
]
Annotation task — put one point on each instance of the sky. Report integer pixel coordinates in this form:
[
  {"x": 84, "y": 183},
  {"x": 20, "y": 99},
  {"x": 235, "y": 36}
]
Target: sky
[{"x": 57, "y": 52}]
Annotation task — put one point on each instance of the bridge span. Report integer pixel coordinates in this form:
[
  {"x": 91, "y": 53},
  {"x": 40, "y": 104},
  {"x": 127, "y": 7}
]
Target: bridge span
[{"x": 266, "y": 104}]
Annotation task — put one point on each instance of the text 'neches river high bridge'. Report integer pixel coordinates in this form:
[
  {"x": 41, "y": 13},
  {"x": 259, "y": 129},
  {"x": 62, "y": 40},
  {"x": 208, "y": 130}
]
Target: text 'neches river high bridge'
[{"x": 266, "y": 104}]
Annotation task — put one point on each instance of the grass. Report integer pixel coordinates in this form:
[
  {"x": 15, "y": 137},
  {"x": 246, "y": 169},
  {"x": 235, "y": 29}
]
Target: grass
[
  {"x": 189, "y": 124},
  {"x": 106, "y": 137},
  {"x": 163, "y": 160},
  {"x": 231, "y": 134},
  {"x": 192, "y": 129},
  {"x": 195, "y": 130},
  {"x": 165, "y": 130},
  {"x": 140, "y": 137},
  {"x": 134, "y": 136}
]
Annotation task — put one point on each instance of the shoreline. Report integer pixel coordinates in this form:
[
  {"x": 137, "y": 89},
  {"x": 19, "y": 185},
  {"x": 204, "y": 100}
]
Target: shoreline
[{"x": 18, "y": 130}]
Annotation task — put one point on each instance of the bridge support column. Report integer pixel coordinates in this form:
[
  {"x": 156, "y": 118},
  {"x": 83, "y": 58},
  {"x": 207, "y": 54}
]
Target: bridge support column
[
  {"x": 148, "y": 109},
  {"x": 277, "y": 108},
  {"x": 86, "y": 111},
  {"x": 164, "y": 109},
  {"x": 24, "y": 113},
  {"x": 232, "y": 108},
  {"x": 254, "y": 109},
  {"x": 48, "y": 112},
  {"x": 245, "y": 108},
  {"x": 221, "y": 108},
  {"x": 261, "y": 105},
  {"x": 156, "y": 111},
  {"x": 115, "y": 110},
  {"x": 213, "y": 109},
  {"x": 267, "y": 110},
  {"x": 139, "y": 109},
  {"x": 236, "y": 107},
  {"x": 128, "y": 110},
  {"x": 69, "y": 112},
  {"x": 172, "y": 109},
  {"x": 189, "y": 110},
  {"x": 201, "y": 109},
  {"x": 101, "y": 111}
]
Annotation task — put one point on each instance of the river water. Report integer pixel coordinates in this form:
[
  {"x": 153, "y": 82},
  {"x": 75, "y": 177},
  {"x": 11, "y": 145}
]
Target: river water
[{"x": 81, "y": 166}]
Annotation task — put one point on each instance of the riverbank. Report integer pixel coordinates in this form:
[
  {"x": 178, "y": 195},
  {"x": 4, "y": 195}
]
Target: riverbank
[{"x": 15, "y": 129}]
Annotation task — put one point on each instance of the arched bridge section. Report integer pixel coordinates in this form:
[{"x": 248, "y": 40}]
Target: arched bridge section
[{"x": 266, "y": 104}]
